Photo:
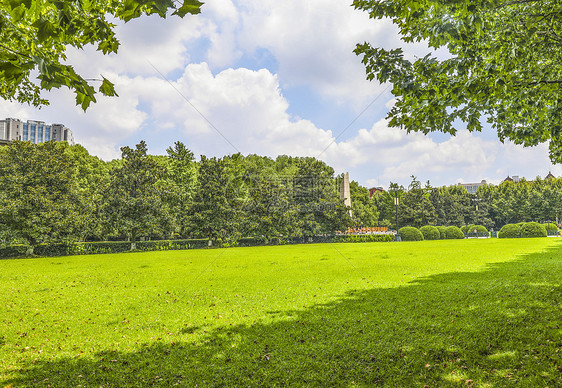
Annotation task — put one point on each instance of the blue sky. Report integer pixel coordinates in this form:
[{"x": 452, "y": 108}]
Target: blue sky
[{"x": 274, "y": 78}]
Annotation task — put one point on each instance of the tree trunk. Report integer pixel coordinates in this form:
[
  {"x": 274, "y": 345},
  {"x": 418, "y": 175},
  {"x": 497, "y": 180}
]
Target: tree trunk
[{"x": 134, "y": 239}]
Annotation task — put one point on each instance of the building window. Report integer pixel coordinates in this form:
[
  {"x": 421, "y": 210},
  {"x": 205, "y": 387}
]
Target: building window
[{"x": 33, "y": 132}]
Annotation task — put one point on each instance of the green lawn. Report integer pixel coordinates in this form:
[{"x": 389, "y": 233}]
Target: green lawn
[{"x": 436, "y": 313}]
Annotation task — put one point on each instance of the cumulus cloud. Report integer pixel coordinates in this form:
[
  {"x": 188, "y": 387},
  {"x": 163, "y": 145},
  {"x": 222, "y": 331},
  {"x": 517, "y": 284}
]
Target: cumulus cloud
[
  {"x": 311, "y": 43},
  {"x": 314, "y": 43}
]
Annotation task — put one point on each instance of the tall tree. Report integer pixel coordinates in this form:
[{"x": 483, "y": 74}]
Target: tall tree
[
  {"x": 504, "y": 65},
  {"x": 364, "y": 209},
  {"x": 92, "y": 176},
  {"x": 215, "y": 211},
  {"x": 181, "y": 179},
  {"x": 133, "y": 199},
  {"x": 415, "y": 208},
  {"x": 34, "y": 36},
  {"x": 317, "y": 199},
  {"x": 39, "y": 193}
]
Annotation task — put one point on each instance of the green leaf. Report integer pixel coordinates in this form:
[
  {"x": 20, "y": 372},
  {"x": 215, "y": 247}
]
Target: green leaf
[
  {"x": 189, "y": 6},
  {"x": 107, "y": 88}
]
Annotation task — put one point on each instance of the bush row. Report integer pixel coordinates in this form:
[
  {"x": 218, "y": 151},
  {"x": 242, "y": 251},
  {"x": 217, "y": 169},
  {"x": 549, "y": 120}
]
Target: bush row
[
  {"x": 428, "y": 232},
  {"x": 523, "y": 229},
  {"x": 89, "y": 248}
]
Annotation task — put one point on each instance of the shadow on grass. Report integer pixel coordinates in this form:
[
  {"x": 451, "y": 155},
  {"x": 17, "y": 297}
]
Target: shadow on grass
[{"x": 500, "y": 327}]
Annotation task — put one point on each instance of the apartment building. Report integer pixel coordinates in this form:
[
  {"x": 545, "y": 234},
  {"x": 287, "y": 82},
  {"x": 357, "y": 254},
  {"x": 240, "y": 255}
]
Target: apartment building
[{"x": 34, "y": 131}]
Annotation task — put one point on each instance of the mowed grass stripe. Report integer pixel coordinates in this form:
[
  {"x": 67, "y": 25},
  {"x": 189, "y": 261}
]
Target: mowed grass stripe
[{"x": 436, "y": 313}]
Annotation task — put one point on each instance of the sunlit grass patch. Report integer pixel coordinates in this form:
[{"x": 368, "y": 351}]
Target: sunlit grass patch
[{"x": 437, "y": 313}]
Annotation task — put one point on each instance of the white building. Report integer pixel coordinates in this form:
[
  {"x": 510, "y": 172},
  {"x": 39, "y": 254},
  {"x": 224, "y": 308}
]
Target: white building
[
  {"x": 33, "y": 131},
  {"x": 472, "y": 188},
  {"x": 10, "y": 129}
]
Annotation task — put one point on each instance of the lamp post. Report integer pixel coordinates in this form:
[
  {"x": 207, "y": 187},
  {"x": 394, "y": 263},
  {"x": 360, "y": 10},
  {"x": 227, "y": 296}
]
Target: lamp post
[
  {"x": 396, "y": 203},
  {"x": 476, "y": 200},
  {"x": 476, "y": 213}
]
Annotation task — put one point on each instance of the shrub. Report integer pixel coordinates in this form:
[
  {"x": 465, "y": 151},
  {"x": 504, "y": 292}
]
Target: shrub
[
  {"x": 409, "y": 233},
  {"x": 430, "y": 232},
  {"x": 551, "y": 226},
  {"x": 510, "y": 231},
  {"x": 533, "y": 229},
  {"x": 465, "y": 229},
  {"x": 453, "y": 232},
  {"x": 442, "y": 232},
  {"x": 480, "y": 230}
]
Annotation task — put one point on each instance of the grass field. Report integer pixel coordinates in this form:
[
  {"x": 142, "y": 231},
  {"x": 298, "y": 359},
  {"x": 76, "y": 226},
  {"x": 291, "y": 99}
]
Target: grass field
[{"x": 437, "y": 313}]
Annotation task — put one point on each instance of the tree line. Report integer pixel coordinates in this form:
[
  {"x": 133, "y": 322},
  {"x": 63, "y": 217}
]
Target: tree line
[
  {"x": 493, "y": 206},
  {"x": 53, "y": 192}
]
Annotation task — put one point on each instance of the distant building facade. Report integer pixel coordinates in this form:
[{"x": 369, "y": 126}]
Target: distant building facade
[
  {"x": 472, "y": 188},
  {"x": 373, "y": 190},
  {"x": 10, "y": 129},
  {"x": 33, "y": 131}
]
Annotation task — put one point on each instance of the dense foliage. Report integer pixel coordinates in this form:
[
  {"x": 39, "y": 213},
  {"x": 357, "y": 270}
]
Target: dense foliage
[
  {"x": 537, "y": 200},
  {"x": 40, "y": 196},
  {"x": 56, "y": 193},
  {"x": 503, "y": 64},
  {"x": 34, "y": 36}
]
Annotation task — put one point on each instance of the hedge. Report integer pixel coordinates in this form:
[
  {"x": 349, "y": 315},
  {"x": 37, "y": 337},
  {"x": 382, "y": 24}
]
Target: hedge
[
  {"x": 510, "y": 231},
  {"x": 551, "y": 226},
  {"x": 13, "y": 251},
  {"x": 409, "y": 233},
  {"x": 533, "y": 229},
  {"x": 430, "y": 232},
  {"x": 453, "y": 232},
  {"x": 88, "y": 248}
]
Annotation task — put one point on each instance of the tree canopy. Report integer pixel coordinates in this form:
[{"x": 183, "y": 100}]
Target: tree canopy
[
  {"x": 34, "y": 36},
  {"x": 504, "y": 66}
]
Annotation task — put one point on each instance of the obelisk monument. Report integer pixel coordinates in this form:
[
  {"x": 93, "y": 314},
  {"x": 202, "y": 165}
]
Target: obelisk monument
[{"x": 345, "y": 192}]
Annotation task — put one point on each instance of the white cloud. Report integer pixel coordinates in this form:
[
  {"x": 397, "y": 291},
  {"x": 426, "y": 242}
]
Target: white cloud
[{"x": 312, "y": 43}]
